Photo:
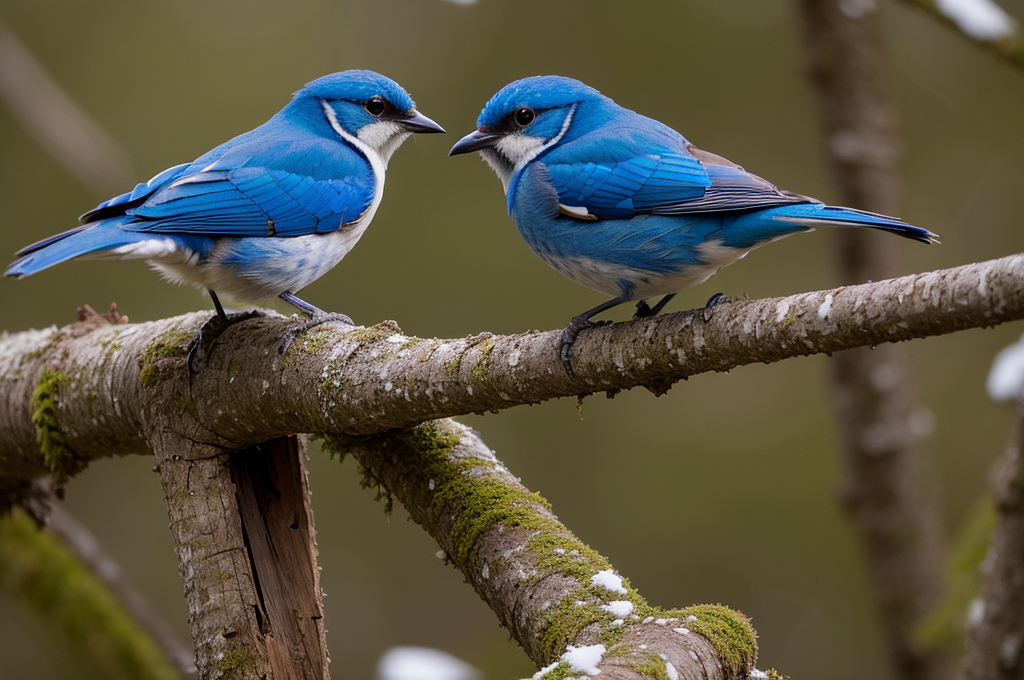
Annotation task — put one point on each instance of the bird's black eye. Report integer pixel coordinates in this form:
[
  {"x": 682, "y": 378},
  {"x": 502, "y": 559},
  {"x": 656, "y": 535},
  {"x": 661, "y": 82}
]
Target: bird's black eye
[
  {"x": 375, "y": 106},
  {"x": 523, "y": 117}
]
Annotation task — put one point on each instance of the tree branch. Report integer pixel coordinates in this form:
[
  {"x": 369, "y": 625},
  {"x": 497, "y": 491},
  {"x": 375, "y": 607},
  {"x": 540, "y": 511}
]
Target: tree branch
[
  {"x": 982, "y": 22},
  {"x": 547, "y": 587},
  {"x": 101, "y": 389},
  {"x": 997, "y": 632}
]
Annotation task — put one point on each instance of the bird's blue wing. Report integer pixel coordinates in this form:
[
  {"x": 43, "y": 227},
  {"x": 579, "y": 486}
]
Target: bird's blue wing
[
  {"x": 620, "y": 175},
  {"x": 291, "y": 186},
  {"x": 118, "y": 205}
]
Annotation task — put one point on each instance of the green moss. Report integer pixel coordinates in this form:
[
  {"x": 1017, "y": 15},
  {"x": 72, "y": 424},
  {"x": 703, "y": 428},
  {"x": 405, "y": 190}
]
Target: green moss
[
  {"x": 172, "y": 344},
  {"x": 184, "y": 402},
  {"x": 728, "y": 631},
  {"x": 452, "y": 367},
  {"x": 486, "y": 347},
  {"x": 233, "y": 368},
  {"x": 650, "y": 665},
  {"x": 238, "y": 662},
  {"x": 775, "y": 675},
  {"x": 479, "y": 502},
  {"x": 45, "y": 405},
  {"x": 559, "y": 672},
  {"x": 38, "y": 572}
]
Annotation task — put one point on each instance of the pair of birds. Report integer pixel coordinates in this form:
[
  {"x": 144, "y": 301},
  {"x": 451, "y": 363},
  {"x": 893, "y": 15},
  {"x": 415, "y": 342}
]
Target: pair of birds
[{"x": 613, "y": 200}]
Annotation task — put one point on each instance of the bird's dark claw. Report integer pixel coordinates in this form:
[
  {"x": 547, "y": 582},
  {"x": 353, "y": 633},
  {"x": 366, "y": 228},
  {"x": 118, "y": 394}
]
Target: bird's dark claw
[
  {"x": 202, "y": 345},
  {"x": 713, "y": 301},
  {"x": 569, "y": 335}
]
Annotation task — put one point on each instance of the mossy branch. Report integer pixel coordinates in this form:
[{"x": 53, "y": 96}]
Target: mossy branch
[
  {"x": 546, "y": 586},
  {"x": 38, "y": 571}
]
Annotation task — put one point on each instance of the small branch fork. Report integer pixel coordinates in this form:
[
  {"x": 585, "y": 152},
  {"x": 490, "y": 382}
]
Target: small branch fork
[{"x": 232, "y": 471}]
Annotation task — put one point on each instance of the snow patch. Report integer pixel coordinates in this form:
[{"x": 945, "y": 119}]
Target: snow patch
[
  {"x": 671, "y": 671},
  {"x": 826, "y": 307},
  {"x": 1006, "y": 379},
  {"x": 584, "y": 658},
  {"x": 980, "y": 19},
  {"x": 620, "y": 609},
  {"x": 423, "y": 663},
  {"x": 608, "y": 580}
]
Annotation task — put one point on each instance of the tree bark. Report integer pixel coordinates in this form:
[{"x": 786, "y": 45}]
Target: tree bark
[
  {"x": 997, "y": 635},
  {"x": 887, "y": 491}
]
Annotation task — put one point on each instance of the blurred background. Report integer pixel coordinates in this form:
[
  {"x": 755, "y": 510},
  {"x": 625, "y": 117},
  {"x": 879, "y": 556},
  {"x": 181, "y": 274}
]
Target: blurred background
[{"x": 724, "y": 490}]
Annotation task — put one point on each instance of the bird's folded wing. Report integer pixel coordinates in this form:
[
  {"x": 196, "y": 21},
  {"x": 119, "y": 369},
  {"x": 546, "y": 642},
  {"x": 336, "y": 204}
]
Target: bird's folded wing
[
  {"x": 624, "y": 180},
  {"x": 289, "y": 188}
]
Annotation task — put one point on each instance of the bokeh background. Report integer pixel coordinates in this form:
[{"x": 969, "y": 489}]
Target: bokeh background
[{"x": 724, "y": 490}]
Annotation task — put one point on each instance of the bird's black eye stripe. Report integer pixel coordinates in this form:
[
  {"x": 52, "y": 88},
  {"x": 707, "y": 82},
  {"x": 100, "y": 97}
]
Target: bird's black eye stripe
[{"x": 376, "y": 105}]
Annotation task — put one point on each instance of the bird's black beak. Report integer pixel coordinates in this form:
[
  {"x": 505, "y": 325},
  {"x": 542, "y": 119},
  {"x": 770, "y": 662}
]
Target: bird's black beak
[
  {"x": 417, "y": 122},
  {"x": 474, "y": 141}
]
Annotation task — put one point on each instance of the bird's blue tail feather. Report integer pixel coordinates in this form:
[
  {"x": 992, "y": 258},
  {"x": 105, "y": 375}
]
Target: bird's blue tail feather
[
  {"x": 84, "y": 240},
  {"x": 815, "y": 214}
]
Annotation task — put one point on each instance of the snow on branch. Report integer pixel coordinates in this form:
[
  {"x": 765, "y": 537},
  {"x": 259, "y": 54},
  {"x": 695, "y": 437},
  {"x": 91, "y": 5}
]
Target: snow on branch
[{"x": 983, "y": 22}]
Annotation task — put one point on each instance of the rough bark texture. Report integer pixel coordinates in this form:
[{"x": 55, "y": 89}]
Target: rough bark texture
[
  {"x": 997, "y": 636},
  {"x": 277, "y": 522},
  {"x": 99, "y": 390},
  {"x": 887, "y": 490},
  {"x": 533, "y": 572},
  {"x": 224, "y": 607}
]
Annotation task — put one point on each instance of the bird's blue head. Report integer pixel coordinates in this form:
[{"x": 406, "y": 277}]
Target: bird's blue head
[
  {"x": 529, "y": 116},
  {"x": 361, "y": 106}
]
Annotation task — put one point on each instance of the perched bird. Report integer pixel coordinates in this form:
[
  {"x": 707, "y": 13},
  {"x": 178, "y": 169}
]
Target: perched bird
[
  {"x": 624, "y": 204},
  {"x": 266, "y": 213}
]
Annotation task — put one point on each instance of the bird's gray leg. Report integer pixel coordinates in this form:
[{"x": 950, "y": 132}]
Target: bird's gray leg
[
  {"x": 318, "y": 316},
  {"x": 643, "y": 311},
  {"x": 210, "y": 332},
  {"x": 578, "y": 323}
]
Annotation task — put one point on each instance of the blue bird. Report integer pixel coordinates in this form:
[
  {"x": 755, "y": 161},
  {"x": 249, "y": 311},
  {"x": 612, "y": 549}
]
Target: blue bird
[
  {"x": 266, "y": 213},
  {"x": 624, "y": 204}
]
